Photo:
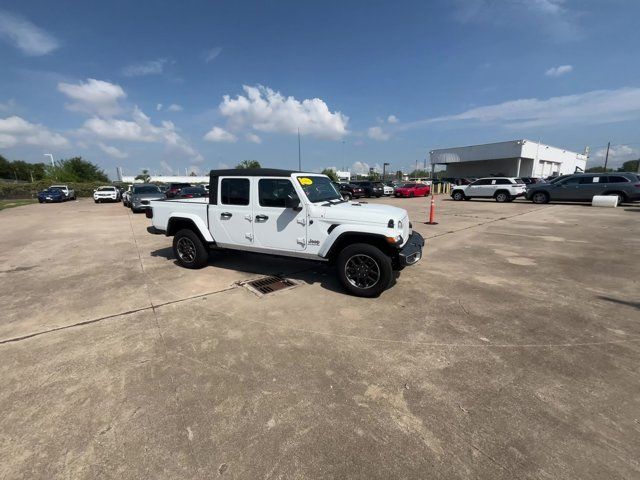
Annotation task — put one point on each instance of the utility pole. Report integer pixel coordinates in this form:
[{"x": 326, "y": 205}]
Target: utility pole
[
  {"x": 606, "y": 158},
  {"x": 384, "y": 170},
  {"x": 299, "y": 153}
]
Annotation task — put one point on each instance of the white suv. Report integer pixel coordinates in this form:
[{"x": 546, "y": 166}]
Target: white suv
[
  {"x": 503, "y": 189},
  {"x": 103, "y": 194}
]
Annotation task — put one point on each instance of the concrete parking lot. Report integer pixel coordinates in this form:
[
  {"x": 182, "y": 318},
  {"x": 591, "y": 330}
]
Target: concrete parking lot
[{"x": 511, "y": 351}]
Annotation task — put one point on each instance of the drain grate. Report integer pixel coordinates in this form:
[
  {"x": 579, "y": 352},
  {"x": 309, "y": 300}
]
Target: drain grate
[{"x": 272, "y": 284}]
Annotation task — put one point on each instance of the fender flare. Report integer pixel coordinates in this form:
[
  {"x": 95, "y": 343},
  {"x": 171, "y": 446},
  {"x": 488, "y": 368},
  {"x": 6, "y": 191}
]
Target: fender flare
[
  {"x": 197, "y": 222},
  {"x": 342, "y": 230}
]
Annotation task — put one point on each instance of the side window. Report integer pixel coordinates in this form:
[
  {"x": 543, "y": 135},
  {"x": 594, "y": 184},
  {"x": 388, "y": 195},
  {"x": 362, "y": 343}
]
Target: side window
[
  {"x": 589, "y": 180},
  {"x": 483, "y": 181},
  {"x": 574, "y": 180},
  {"x": 617, "y": 179},
  {"x": 502, "y": 181},
  {"x": 273, "y": 192},
  {"x": 234, "y": 191}
]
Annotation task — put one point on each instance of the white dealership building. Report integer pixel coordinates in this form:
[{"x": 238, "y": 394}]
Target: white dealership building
[{"x": 516, "y": 158}]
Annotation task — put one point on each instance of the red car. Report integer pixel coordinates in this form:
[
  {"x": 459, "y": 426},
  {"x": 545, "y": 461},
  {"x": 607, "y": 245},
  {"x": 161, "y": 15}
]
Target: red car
[{"x": 412, "y": 190}]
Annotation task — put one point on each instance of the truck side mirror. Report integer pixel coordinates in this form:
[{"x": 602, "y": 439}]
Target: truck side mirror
[{"x": 292, "y": 202}]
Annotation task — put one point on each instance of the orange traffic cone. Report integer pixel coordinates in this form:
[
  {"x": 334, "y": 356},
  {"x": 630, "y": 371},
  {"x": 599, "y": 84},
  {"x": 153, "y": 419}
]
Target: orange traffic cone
[{"x": 432, "y": 212}]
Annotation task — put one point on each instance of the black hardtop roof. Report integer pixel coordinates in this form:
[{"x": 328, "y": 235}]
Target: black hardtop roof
[{"x": 253, "y": 172}]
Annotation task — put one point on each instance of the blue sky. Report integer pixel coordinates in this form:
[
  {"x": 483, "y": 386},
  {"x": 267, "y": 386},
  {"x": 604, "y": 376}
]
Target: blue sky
[{"x": 195, "y": 85}]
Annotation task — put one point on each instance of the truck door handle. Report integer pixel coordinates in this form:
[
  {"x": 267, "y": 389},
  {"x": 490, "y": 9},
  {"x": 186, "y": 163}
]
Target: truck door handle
[
  {"x": 226, "y": 215},
  {"x": 261, "y": 218}
]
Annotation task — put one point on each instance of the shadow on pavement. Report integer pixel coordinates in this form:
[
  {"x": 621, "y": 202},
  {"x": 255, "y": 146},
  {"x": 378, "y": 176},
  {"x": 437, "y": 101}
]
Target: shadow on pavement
[
  {"x": 621, "y": 302},
  {"x": 259, "y": 264}
]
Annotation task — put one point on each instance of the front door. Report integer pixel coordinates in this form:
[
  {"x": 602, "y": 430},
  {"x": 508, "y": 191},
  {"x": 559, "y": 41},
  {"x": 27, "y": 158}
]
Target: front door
[
  {"x": 480, "y": 188},
  {"x": 232, "y": 218},
  {"x": 275, "y": 226}
]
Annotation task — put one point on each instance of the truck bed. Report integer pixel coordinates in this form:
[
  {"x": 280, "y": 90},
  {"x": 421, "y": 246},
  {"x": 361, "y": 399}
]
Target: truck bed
[{"x": 193, "y": 208}]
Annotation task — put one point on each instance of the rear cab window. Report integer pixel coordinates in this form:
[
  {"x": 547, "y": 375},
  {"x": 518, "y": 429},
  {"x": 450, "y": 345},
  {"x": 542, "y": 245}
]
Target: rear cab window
[{"x": 234, "y": 191}]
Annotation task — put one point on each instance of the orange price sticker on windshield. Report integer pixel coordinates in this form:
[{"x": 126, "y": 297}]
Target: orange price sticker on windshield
[{"x": 305, "y": 181}]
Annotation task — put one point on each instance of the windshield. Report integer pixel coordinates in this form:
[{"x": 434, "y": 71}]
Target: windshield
[
  {"x": 106, "y": 189},
  {"x": 146, "y": 189},
  {"x": 53, "y": 190},
  {"x": 319, "y": 189}
]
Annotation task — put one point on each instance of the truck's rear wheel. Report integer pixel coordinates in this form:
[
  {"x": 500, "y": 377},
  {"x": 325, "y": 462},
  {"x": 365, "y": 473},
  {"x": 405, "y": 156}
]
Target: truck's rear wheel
[
  {"x": 189, "y": 249},
  {"x": 364, "y": 270}
]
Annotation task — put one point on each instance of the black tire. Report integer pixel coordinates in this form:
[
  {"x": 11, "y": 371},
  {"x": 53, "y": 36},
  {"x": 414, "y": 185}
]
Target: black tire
[
  {"x": 502, "y": 197},
  {"x": 540, "y": 197},
  {"x": 374, "y": 263},
  {"x": 411, "y": 195},
  {"x": 40, "y": 201},
  {"x": 378, "y": 196},
  {"x": 346, "y": 196},
  {"x": 189, "y": 250},
  {"x": 458, "y": 195}
]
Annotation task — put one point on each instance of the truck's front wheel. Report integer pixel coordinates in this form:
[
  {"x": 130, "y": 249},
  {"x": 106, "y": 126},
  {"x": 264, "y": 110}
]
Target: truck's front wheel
[
  {"x": 364, "y": 270},
  {"x": 189, "y": 249}
]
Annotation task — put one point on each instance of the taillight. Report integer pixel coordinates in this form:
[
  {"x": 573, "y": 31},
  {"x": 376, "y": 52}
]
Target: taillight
[
  {"x": 149, "y": 212},
  {"x": 637, "y": 185}
]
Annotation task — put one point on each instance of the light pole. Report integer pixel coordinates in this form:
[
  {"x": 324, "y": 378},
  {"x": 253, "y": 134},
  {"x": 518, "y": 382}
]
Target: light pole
[{"x": 384, "y": 170}]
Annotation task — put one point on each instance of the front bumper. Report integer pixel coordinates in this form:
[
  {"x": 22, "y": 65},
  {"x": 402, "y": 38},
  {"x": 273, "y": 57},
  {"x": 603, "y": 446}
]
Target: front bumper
[{"x": 411, "y": 252}]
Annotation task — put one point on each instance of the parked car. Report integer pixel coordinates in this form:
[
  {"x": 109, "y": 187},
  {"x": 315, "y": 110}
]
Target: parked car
[
  {"x": 174, "y": 188},
  {"x": 370, "y": 189},
  {"x": 69, "y": 194},
  {"x": 299, "y": 215},
  {"x": 106, "y": 194},
  {"x": 582, "y": 187},
  {"x": 349, "y": 190},
  {"x": 51, "y": 194},
  {"x": 410, "y": 190},
  {"x": 387, "y": 189},
  {"x": 126, "y": 196},
  {"x": 192, "y": 192},
  {"x": 142, "y": 194},
  {"x": 502, "y": 189},
  {"x": 531, "y": 180}
]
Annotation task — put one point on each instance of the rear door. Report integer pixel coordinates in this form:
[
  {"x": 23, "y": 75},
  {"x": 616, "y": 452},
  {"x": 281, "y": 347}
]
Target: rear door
[
  {"x": 480, "y": 188},
  {"x": 231, "y": 220},
  {"x": 590, "y": 186},
  {"x": 276, "y": 227}
]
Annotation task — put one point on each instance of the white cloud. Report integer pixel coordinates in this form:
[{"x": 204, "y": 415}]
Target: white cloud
[
  {"x": 212, "y": 53},
  {"x": 217, "y": 134},
  {"x": 166, "y": 168},
  {"x": 25, "y": 36},
  {"x": 590, "y": 108},
  {"x": 618, "y": 154},
  {"x": 253, "y": 138},
  {"x": 150, "y": 67},
  {"x": 8, "y": 105},
  {"x": 551, "y": 17},
  {"x": 15, "y": 130},
  {"x": 94, "y": 96},
  {"x": 559, "y": 70},
  {"x": 392, "y": 119},
  {"x": 174, "y": 107},
  {"x": 140, "y": 129},
  {"x": 265, "y": 110},
  {"x": 158, "y": 107},
  {"x": 376, "y": 133},
  {"x": 112, "y": 151}
]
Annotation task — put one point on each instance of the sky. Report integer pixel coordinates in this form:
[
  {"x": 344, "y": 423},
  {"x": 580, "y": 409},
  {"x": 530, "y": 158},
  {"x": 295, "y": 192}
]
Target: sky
[{"x": 194, "y": 85}]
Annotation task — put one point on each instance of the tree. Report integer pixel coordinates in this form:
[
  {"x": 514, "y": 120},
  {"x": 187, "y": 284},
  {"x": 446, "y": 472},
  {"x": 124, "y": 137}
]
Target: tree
[
  {"x": 629, "y": 166},
  {"x": 331, "y": 173},
  {"x": 249, "y": 164},
  {"x": 599, "y": 169},
  {"x": 75, "y": 169},
  {"x": 419, "y": 174},
  {"x": 21, "y": 170},
  {"x": 144, "y": 176}
]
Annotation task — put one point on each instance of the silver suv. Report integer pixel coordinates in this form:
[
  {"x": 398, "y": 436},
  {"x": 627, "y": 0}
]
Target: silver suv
[
  {"x": 502, "y": 189},
  {"x": 582, "y": 187}
]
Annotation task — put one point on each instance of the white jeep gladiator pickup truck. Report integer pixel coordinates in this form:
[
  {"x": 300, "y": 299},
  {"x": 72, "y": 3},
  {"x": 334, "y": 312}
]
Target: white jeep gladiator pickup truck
[{"x": 293, "y": 214}]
